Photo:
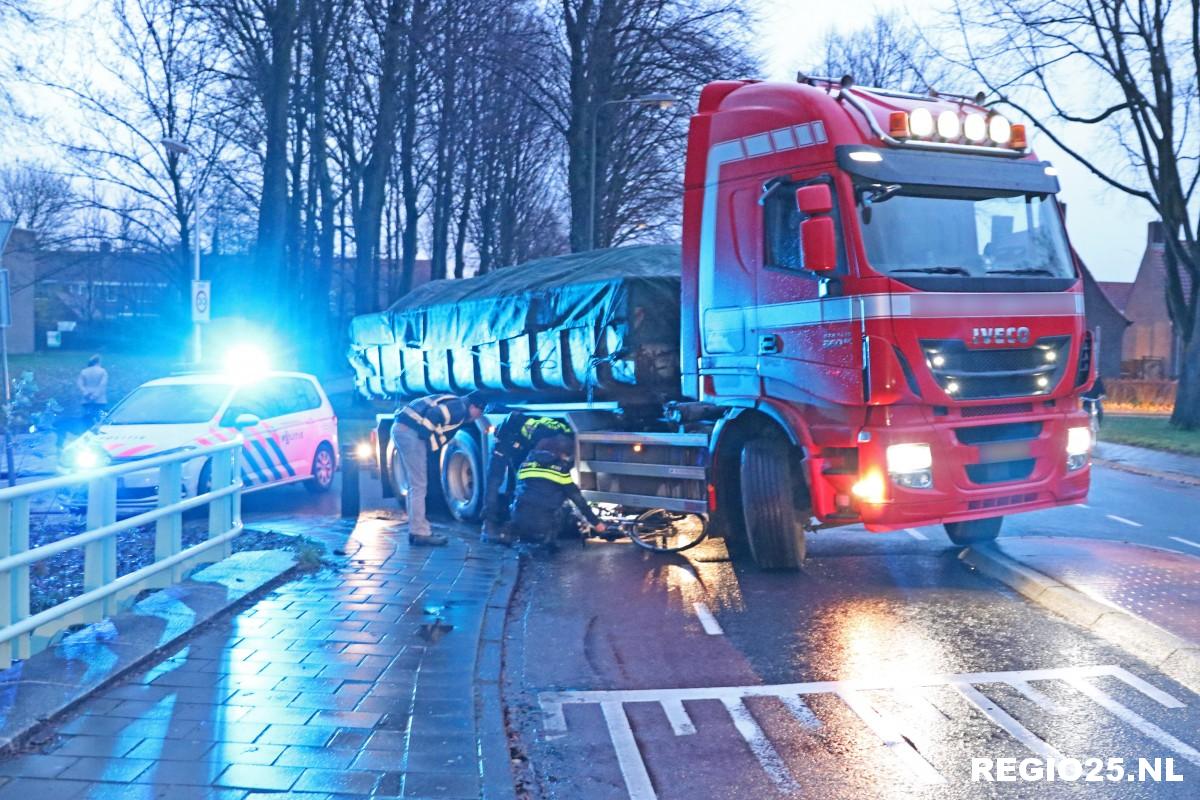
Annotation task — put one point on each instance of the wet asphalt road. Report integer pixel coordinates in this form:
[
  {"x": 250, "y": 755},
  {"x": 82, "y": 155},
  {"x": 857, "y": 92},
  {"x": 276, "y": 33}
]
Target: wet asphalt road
[{"x": 896, "y": 628}]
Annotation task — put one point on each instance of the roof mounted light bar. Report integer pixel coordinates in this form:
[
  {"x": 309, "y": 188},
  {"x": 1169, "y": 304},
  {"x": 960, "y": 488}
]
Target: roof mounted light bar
[{"x": 846, "y": 82}]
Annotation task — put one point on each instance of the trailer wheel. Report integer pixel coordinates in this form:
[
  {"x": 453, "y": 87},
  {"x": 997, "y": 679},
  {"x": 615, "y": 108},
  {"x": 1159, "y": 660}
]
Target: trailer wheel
[
  {"x": 774, "y": 524},
  {"x": 974, "y": 531},
  {"x": 462, "y": 477}
]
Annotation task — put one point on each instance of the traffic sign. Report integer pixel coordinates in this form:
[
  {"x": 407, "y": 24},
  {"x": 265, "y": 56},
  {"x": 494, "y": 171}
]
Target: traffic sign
[{"x": 201, "y": 301}]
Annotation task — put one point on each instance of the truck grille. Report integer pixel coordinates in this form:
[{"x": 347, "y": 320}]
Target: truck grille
[{"x": 993, "y": 373}]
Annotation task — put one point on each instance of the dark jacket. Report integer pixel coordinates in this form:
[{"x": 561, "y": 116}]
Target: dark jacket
[
  {"x": 517, "y": 435},
  {"x": 435, "y": 418},
  {"x": 543, "y": 485}
]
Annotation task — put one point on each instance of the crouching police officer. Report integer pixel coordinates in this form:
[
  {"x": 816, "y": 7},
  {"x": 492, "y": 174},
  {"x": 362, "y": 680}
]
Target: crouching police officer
[
  {"x": 516, "y": 437},
  {"x": 544, "y": 486}
]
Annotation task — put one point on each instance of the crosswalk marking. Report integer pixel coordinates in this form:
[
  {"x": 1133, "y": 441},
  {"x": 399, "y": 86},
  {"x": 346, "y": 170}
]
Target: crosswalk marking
[
  {"x": 891, "y": 738},
  {"x": 760, "y": 745},
  {"x": 1134, "y": 720},
  {"x": 853, "y": 693},
  {"x": 633, "y": 769},
  {"x": 1004, "y": 720}
]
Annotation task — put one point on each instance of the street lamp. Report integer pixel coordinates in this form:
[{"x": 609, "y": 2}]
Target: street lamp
[
  {"x": 660, "y": 99},
  {"x": 180, "y": 148}
]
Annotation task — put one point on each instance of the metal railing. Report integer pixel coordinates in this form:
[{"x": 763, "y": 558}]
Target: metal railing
[{"x": 104, "y": 593}]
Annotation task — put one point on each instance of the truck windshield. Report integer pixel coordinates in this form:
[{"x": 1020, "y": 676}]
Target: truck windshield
[
  {"x": 906, "y": 232},
  {"x": 169, "y": 404}
]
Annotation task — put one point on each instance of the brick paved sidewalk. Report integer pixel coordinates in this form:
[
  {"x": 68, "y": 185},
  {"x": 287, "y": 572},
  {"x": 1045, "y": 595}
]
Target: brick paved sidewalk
[
  {"x": 1156, "y": 585},
  {"x": 358, "y": 681}
]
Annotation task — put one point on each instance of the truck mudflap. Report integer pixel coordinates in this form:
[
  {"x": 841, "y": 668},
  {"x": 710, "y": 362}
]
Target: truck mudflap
[{"x": 976, "y": 469}]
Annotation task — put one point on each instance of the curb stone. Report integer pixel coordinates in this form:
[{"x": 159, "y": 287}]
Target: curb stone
[
  {"x": 497, "y": 778},
  {"x": 1172, "y": 655},
  {"x": 51, "y": 683},
  {"x": 1125, "y": 466}
]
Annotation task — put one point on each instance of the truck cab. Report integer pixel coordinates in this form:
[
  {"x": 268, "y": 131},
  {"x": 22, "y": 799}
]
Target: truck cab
[{"x": 879, "y": 287}]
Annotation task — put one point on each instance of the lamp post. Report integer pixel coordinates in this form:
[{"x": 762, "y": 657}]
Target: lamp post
[
  {"x": 660, "y": 99},
  {"x": 181, "y": 148}
]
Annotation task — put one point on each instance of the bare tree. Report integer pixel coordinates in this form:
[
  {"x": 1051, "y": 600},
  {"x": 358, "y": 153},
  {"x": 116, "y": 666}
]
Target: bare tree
[
  {"x": 889, "y": 52},
  {"x": 38, "y": 200},
  {"x": 613, "y": 50},
  {"x": 1139, "y": 61},
  {"x": 157, "y": 88}
]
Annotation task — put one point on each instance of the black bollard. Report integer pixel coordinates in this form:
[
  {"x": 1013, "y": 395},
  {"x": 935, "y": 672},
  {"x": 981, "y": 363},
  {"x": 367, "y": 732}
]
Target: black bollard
[{"x": 350, "y": 488}]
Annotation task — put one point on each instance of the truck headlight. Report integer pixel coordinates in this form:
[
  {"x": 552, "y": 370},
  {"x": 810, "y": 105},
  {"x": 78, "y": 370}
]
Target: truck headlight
[
  {"x": 910, "y": 465},
  {"x": 1079, "y": 444}
]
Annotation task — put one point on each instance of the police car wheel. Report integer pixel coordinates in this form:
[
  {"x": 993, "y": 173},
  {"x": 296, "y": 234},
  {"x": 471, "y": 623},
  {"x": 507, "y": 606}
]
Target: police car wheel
[
  {"x": 462, "y": 477},
  {"x": 323, "y": 467}
]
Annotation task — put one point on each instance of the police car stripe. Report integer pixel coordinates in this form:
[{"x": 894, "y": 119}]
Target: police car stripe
[
  {"x": 249, "y": 459},
  {"x": 273, "y": 440},
  {"x": 266, "y": 457}
]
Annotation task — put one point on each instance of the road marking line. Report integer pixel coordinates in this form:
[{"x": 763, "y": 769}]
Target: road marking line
[
  {"x": 1003, "y": 720},
  {"x": 1130, "y": 522},
  {"x": 681, "y": 723},
  {"x": 1145, "y": 726},
  {"x": 707, "y": 620},
  {"x": 801, "y": 711},
  {"x": 851, "y": 691},
  {"x": 1036, "y": 697},
  {"x": 1188, "y": 542},
  {"x": 1083, "y": 505},
  {"x": 760, "y": 745},
  {"x": 922, "y": 770},
  {"x": 916, "y": 534},
  {"x": 629, "y": 758}
]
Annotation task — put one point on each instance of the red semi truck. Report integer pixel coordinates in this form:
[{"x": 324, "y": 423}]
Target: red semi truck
[{"x": 880, "y": 321}]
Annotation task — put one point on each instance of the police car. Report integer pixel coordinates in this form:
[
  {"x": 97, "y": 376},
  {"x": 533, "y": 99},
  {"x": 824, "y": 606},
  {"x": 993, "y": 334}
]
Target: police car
[{"x": 289, "y": 427}]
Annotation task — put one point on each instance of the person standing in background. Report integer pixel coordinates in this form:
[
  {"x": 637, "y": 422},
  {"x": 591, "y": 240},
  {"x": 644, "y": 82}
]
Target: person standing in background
[{"x": 93, "y": 390}]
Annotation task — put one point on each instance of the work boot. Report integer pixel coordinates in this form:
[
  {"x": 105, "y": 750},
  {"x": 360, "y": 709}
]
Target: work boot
[
  {"x": 495, "y": 533},
  {"x": 428, "y": 540}
]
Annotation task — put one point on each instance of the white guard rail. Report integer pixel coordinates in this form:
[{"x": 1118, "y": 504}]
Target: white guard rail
[{"x": 22, "y": 635}]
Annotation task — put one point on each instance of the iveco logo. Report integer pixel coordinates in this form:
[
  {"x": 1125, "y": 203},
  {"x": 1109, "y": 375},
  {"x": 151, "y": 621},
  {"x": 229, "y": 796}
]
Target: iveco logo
[{"x": 999, "y": 335}]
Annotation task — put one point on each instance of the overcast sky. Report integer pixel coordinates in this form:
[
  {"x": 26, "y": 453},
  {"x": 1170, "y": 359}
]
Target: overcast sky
[{"x": 1107, "y": 227}]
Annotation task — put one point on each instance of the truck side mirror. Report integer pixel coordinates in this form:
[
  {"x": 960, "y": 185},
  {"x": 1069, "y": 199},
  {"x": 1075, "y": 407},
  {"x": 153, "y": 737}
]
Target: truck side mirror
[
  {"x": 815, "y": 199},
  {"x": 819, "y": 243}
]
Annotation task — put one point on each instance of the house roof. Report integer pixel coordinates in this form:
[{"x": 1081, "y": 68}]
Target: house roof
[
  {"x": 1089, "y": 278},
  {"x": 1117, "y": 292},
  {"x": 1147, "y": 297}
]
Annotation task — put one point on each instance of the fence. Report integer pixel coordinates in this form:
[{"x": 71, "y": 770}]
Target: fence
[
  {"x": 22, "y": 635},
  {"x": 1126, "y": 394}
]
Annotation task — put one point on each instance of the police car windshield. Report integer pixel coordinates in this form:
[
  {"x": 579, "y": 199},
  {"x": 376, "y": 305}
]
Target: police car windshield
[
  {"x": 979, "y": 236},
  {"x": 169, "y": 404}
]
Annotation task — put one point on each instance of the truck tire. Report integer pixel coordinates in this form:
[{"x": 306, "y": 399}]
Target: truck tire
[
  {"x": 974, "y": 531},
  {"x": 462, "y": 478},
  {"x": 774, "y": 525}
]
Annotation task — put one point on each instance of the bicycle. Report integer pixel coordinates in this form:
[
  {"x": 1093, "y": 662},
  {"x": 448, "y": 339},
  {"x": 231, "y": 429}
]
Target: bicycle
[{"x": 657, "y": 529}]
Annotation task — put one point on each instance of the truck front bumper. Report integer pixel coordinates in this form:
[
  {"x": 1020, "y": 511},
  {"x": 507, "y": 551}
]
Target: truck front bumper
[{"x": 979, "y": 468}]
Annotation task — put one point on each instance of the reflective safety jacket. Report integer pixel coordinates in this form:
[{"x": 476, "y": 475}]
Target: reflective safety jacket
[
  {"x": 543, "y": 485},
  {"x": 435, "y": 418},
  {"x": 518, "y": 434}
]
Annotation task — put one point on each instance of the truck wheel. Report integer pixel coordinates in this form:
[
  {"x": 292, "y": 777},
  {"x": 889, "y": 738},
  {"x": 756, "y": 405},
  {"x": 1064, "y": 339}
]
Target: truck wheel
[
  {"x": 395, "y": 474},
  {"x": 974, "y": 531},
  {"x": 462, "y": 478},
  {"x": 774, "y": 525}
]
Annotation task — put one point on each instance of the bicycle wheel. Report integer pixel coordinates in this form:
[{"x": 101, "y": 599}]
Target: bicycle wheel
[{"x": 663, "y": 531}]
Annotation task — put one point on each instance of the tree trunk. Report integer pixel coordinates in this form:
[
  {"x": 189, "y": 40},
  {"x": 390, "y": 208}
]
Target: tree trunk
[
  {"x": 1186, "y": 415},
  {"x": 275, "y": 92}
]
